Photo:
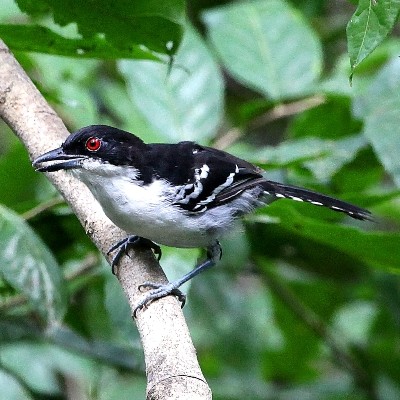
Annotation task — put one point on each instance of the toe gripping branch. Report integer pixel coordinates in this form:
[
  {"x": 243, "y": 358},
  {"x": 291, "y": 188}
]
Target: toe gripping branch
[
  {"x": 158, "y": 291},
  {"x": 122, "y": 247}
]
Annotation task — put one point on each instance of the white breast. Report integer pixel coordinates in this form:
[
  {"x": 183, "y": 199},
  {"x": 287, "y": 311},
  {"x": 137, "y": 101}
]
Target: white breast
[
  {"x": 145, "y": 210},
  {"x": 148, "y": 210}
]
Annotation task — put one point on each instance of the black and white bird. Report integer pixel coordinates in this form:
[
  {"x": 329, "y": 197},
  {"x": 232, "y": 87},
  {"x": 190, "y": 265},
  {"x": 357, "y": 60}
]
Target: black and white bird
[{"x": 179, "y": 195}]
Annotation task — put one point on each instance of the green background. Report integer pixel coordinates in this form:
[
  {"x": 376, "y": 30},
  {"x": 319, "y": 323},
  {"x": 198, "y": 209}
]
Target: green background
[{"x": 305, "y": 303}]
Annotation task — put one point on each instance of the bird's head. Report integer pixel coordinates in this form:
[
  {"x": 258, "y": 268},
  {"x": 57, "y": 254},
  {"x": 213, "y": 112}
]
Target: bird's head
[{"x": 91, "y": 148}]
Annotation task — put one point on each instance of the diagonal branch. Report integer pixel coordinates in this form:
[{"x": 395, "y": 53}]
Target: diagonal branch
[{"x": 171, "y": 365}]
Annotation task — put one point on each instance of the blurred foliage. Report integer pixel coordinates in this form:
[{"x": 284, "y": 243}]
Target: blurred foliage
[
  {"x": 306, "y": 303},
  {"x": 109, "y": 30}
]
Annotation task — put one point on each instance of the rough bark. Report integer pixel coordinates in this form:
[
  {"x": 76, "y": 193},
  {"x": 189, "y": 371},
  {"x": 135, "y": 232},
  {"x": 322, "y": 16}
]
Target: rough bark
[{"x": 172, "y": 368}]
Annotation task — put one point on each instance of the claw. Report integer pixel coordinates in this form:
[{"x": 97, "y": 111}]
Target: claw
[
  {"x": 158, "y": 291},
  {"x": 123, "y": 246}
]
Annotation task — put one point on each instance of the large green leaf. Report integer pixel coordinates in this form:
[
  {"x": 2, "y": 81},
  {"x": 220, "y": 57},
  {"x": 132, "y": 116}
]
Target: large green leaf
[
  {"x": 384, "y": 87},
  {"x": 383, "y": 130},
  {"x": 267, "y": 45},
  {"x": 39, "y": 365},
  {"x": 369, "y": 26},
  {"x": 185, "y": 104},
  {"x": 105, "y": 351},
  {"x": 144, "y": 22},
  {"x": 129, "y": 116},
  {"x": 339, "y": 153},
  {"x": 332, "y": 119},
  {"x": 40, "y": 39},
  {"x": 11, "y": 388},
  {"x": 379, "y": 106},
  {"x": 378, "y": 249},
  {"x": 355, "y": 321},
  {"x": 28, "y": 184},
  {"x": 323, "y": 157},
  {"x": 285, "y": 154},
  {"x": 28, "y": 266}
]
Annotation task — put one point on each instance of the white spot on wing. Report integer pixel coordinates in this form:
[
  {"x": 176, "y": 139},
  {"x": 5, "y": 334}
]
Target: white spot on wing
[
  {"x": 180, "y": 195},
  {"x": 218, "y": 189},
  {"x": 296, "y": 198},
  {"x": 317, "y": 203},
  {"x": 197, "y": 186},
  {"x": 205, "y": 169}
]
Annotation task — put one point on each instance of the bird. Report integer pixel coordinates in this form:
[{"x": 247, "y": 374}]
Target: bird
[{"x": 183, "y": 195}]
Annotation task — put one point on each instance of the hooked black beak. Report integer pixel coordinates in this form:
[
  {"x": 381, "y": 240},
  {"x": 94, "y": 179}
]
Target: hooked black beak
[{"x": 55, "y": 158}]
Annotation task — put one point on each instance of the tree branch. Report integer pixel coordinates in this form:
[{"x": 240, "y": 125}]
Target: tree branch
[{"x": 171, "y": 364}]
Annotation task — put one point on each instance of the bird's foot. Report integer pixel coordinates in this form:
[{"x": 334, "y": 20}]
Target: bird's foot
[
  {"x": 131, "y": 241},
  {"x": 158, "y": 291}
]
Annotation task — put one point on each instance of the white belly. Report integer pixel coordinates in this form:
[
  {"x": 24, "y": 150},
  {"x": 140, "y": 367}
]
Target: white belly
[{"x": 148, "y": 211}]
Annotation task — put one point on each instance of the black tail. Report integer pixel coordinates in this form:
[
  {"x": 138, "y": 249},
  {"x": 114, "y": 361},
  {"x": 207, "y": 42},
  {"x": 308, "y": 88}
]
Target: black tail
[{"x": 299, "y": 194}]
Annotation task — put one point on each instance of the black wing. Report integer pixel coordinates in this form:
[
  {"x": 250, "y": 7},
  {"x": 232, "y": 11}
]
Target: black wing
[
  {"x": 206, "y": 178},
  {"x": 216, "y": 177}
]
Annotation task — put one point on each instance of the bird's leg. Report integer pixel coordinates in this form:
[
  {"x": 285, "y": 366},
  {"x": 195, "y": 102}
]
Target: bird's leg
[
  {"x": 131, "y": 241},
  {"x": 214, "y": 253}
]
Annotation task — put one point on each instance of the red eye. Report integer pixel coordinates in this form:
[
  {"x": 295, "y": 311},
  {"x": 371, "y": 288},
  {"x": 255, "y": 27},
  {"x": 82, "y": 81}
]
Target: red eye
[{"x": 93, "y": 143}]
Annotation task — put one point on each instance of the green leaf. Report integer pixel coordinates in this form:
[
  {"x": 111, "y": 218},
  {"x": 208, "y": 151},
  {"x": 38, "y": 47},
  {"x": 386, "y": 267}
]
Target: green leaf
[
  {"x": 275, "y": 241},
  {"x": 8, "y": 10},
  {"x": 266, "y": 45},
  {"x": 362, "y": 173},
  {"x": 126, "y": 112},
  {"x": 323, "y": 157},
  {"x": 288, "y": 153},
  {"x": 104, "y": 351},
  {"x": 18, "y": 328},
  {"x": 11, "y": 388},
  {"x": 40, "y": 39},
  {"x": 354, "y": 321},
  {"x": 185, "y": 104},
  {"x": 28, "y": 266},
  {"x": 39, "y": 365},
  {"x": 28, "y": 184},
  {"x": 384, "y": 87},
  {"x": 155, "y": 25},
  {"x": 379, "y": 105},
  {"x": 371, "y": 23},
  {"x": 383, "y": 130},
  {"x": 115, "y": 385},
  {"x": 331, "y": 120},
  {"x": 340, "y": 152},
  {"x": 378, "y": 249},
  {"x": 118, "y": 310}
]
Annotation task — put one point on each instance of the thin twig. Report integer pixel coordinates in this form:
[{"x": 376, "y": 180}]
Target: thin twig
[
  {"x": 12, "y": 302},
  {"x": 89, "y": 262},
  {"x": 280, "y": 111},
  {"x": 286, "y": 110},
  {"x": 33, "y": 212},
  {"x": 228, "y": 138}
]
